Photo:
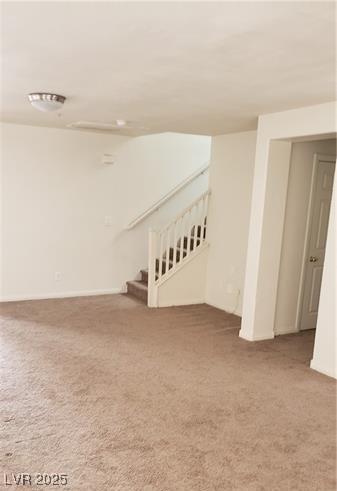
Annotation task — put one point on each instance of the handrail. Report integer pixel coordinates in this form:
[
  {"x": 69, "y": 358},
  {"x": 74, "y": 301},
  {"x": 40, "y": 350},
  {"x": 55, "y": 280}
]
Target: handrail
[
  {"x": 167, "y": 196},
  {"x": 185, "y": 210}
]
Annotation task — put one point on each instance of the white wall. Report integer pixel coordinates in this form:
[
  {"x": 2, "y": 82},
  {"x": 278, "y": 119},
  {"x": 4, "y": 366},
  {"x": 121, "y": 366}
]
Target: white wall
[
  {"x": 324, "y": 359},
  {"x": 301, "y": 168},
  {"x": 231, "y": 180},
  {"x": 56, "y": 195}
]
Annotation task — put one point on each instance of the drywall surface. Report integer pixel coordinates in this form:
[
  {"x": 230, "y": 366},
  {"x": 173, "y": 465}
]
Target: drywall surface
[
  {"x": 64, "y": 212},
  {"x": 264, "y": 242},
  {"x": 187, "y": 285},
  {"x": 231, "y": 181},
  {"x": 300, "y": 175},
  {"x": 324, "y": 359}
]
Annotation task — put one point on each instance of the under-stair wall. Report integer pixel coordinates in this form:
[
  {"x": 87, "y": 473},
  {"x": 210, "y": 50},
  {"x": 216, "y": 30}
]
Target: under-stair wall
[{"x": 187, "y": 285}]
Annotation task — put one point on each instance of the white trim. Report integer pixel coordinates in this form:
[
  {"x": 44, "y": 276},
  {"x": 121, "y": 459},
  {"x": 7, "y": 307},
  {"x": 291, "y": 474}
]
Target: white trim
[
  {"x": 286, "y": 330},
  {"x": 198, "y": 250},
  {"x": 167, "y": 196},
  {"x": 255, "y": 338},
  {"x": 152, "y": 290},
  {"x": 318, "y": 157},
  {"x": 193, "y": 301},
  {"x": 74, "y": 294},
  {"x": 308, "y": 121}
]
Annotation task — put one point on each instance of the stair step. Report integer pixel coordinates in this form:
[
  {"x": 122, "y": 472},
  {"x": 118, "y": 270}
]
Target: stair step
[
  {"x": 145, "y": 275},
  {"x": 137, "y": 289}
]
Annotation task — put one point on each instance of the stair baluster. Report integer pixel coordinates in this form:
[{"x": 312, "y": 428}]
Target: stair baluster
[{"x": 171, "y": 247}]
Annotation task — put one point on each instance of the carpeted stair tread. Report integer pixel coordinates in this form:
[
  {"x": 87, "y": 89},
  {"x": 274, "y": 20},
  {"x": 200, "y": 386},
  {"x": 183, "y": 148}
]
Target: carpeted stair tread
[
  {"x": 145, "y": 275},
  {"x": 137, "y": 289},
  {"x": 138, "y": 284}
]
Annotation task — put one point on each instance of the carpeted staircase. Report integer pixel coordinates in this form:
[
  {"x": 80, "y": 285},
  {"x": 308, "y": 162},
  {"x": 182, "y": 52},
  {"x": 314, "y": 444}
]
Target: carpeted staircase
[{"x": 139, "y": 288}]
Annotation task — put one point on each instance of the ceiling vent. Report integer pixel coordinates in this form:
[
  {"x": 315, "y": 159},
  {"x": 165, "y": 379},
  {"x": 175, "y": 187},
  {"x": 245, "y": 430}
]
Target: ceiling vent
[{"x": 96, "y": 126}]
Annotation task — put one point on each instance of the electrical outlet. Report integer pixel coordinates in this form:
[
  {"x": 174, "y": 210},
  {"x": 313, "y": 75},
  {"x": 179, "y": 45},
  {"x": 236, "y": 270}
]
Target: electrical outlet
[{"x": 57, "y": 276}]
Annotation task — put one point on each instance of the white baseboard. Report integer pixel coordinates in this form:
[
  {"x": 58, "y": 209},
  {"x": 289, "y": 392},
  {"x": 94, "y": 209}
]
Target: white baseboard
[
  {"x": 73, "y": 294},
  {"x": 286, "y": 330},
  {"x": 255, "y": 338},
  {"x": 180, "y": 303}
]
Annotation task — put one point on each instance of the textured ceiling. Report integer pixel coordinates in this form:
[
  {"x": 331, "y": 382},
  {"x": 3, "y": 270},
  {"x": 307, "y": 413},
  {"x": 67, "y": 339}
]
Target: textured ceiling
[{"x": 196, "y": 67}]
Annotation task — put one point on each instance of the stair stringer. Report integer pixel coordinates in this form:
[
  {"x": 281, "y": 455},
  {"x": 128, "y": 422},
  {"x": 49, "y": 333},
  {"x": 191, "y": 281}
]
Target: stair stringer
[{"x": 185, "y": 284}]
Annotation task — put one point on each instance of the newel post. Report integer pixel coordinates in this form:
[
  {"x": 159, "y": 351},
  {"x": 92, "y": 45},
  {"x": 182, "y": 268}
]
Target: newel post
[{"x": 152, "y": 288}]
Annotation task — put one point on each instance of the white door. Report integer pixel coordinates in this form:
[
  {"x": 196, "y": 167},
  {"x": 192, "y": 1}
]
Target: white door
[{"x": 318, "y": 227}]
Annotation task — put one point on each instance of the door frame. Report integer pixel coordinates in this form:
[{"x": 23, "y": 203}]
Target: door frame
[{"x": 308, "y": 227}]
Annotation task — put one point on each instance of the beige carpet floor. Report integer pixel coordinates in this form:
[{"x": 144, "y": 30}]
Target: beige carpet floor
[{"x": 122, "y": 397}]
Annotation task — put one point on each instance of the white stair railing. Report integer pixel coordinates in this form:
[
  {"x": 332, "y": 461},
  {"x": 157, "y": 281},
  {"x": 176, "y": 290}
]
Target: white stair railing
[
  {"x": 174, "y": 245},
  {"x": 156, "y": 206}
]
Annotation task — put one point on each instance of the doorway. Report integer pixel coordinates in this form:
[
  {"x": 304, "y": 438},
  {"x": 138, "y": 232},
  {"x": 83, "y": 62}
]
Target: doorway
[
  {"x": 315, "y": 241},
  {"x": 311, "y": 170}
]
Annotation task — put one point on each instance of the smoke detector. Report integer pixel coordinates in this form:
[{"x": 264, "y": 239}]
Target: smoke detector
[
  {"x": 121, "y": 123},
  {"x": 46, "y": 102}
]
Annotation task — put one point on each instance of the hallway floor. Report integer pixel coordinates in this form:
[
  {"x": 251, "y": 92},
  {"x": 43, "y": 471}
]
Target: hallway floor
[{"x": 124, "y": 398}]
